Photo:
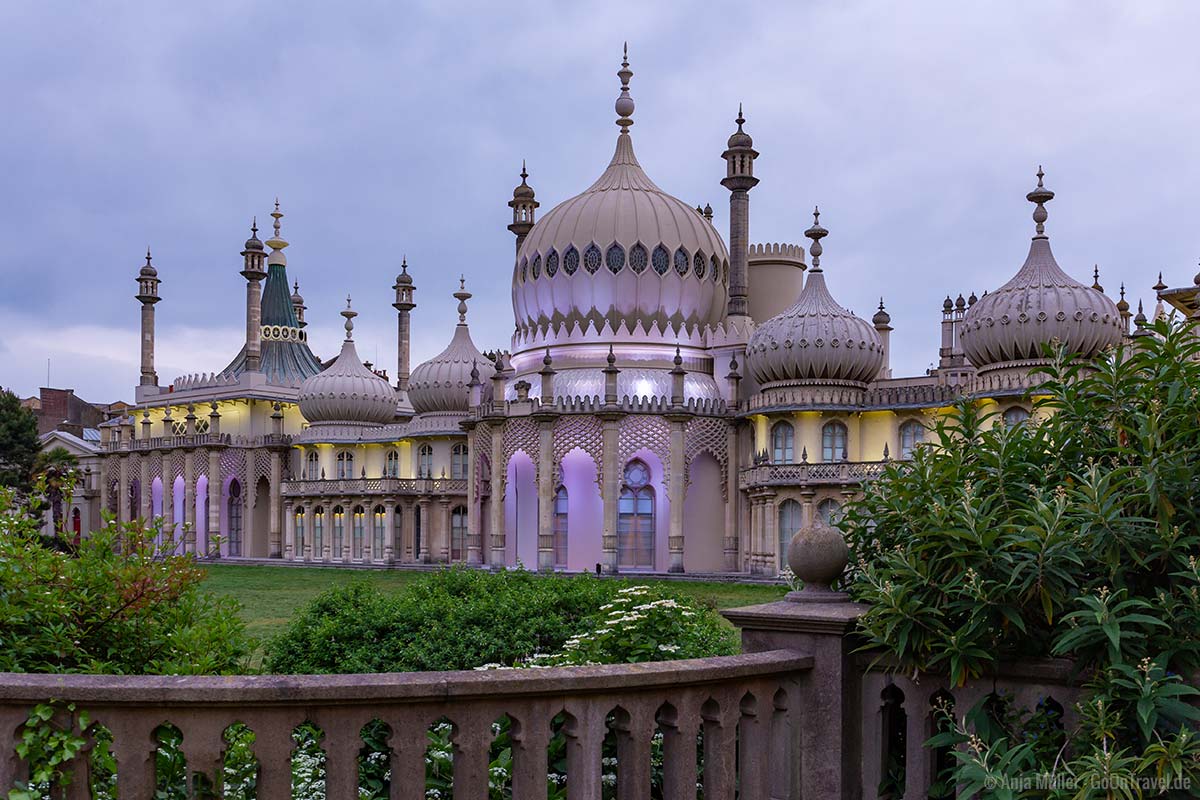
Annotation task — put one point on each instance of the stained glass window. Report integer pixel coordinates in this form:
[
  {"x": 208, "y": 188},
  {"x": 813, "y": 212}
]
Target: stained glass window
[
  {"x": 591, "y": 258},
  {"x": 615, "y": 258},
  {"x": 662, "y": 260},
  {"x": 681, "y": 262},
  {"x": 571, "y": 260},
  {"x": 638, "y": 259}
]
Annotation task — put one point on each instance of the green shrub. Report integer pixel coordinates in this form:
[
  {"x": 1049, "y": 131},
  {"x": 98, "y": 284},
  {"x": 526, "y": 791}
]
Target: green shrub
[{"x": 1076, "y": 536}]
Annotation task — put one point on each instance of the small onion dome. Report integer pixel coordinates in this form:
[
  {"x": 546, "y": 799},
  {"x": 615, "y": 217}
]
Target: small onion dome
[
  {"x": 816, "y": 340},
  {"x": 1123, "y": 304},
  {"x": 882, "y": 318},
  {"x": 948, "y": 304},
  {"x": 740, "y": 138},
  {"x": 404, "y": 277},
  {"x": 297, "y": 298},
  {"x": 254, "y": 243},
  {"x": 523, "y": 190},
  {"x": 346, "y": 391},
  {"x": 1039, "y": 304},
  {"x": 441, "y": 383},
  {"x": 148, "y": 270}
]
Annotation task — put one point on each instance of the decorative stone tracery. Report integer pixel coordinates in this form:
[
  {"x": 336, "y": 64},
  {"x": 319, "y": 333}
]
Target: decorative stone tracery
[
  {"x": 583, "y": 431},
  {"x": 520, "y": 434},
  {"x": 707, "y": 435},
  {"x": 642, "y": 431}
]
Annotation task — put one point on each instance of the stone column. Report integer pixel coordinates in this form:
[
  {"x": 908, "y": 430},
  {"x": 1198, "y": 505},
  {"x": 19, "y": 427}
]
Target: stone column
[
  {"x": 274, "y": 550},
  {"x": 676, "y": 488},
  {"x": 289, "y": 528},
  {"x": 146, "y": 495},
  {"x": 732, "y": 497},
  {"x": 426, "y": 530},
  {"x": 444, "y": 534},
  {"x": 545, "y": 493},
  {"x": 474, "y": 534},
  {"x": 123, "y": 491},
  {"x": 610, "y": 488},
  {"x": 499, "y": 470},
  {"x": 389, "y": 527},
  {"x": 327, "y": 531},
  {"x": 309, "y": 524},
  {"x": 751, "y": 535},
  {"x": 168, "y": 498},
  {"x": 214, "y": 497},
  {"x": 189, "y": 501},
  {"x": 770, "y": 534}
]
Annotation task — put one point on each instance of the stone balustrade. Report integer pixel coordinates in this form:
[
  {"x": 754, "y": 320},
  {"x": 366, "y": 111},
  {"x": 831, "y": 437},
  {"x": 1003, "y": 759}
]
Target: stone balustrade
[
  {"x": 833, "y": 472},
  {"x": 372, "y": 487},
  {"x": 743, "y": 710}
]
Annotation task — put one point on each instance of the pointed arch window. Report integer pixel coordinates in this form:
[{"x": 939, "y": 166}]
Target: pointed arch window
[
  {"x": 339, "y": 531},
  {"x": 551, "y": 263},
  {"x": 698, "y": 263},
  {"x": 560, "y": 527},
  {"x": 458, "y": 534},
  {"x": 591, "y": 259},
  {"x": 425, "y": 461},
  {"x": 312, "y": 465},
  {"x": 614, "y": 259},
  {"x": 571, "y": 260},
  {"x": 912, "y": 433},
  {"x": 535, "y": 269},
  {"x": 638, "y": 259},
  {"x": 830, "y": 511},
  {"x": 789, "y": 523},
  {"x": 298, "y": 548},
  {"x": 716, "y": 269},
  {"x": 783, "y": 443},
  {"x": 661, "y": 261},
  {"x": 635, "y": 519},
  {"x": 345, "y": 465},
  {"x": 681, "y": 262},
  {"x": 378, "y": 532},
  {"x": 1015, "y": 416},
  {"x": 833, "y": 441},
  {"x": 319, "y": 532},
  {"x": 233, "y": 513},
  {"x": 359, "y": 534},
  {"x": 458, "y": 461},
  {"x": 391, "y": 464}
]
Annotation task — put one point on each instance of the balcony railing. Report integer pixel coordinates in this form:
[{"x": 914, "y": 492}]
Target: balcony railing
[
  {"x": 198, "y": 440},
  {"x": 742, "y": 709},
  {"x": 371, "y": 487},
  {"x": 836, "y": 472}
]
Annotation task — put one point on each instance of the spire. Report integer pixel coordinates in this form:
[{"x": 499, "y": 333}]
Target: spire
[
  {"x": 1041, "y": 195},
  {"x": 816, "y": 233},
  {"x": 1140, "y": 319},
  {"x": 1158, "y": 287},
  {"x": 276, "y": 242},
  {"x": 624, "y": 104},
  {"x": 462, "y": 296},
  {"x": 1096, "y": 278},
  {"x": 1123, "y": 304},
  {"x": 349, "y": 313}
]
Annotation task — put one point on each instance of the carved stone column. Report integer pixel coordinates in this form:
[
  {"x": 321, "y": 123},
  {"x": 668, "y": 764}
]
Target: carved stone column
[
  {"x": 426, "y": 529},
  {"x": 168, "y": 497},
  {"x": 123, "y": 491},
  {"x": 499, "y": 470},
  {"x": 444, "y": 534},
  {"x": 389, "y": 527},
  {"x": 146, "y": 495},
  {"x": 474, "y": 533},
  {"x": 189, "y": 501},
  {"x": 732, "y": 497},
  {"x": 213, "y": 524},
  {"x": 274, "y": 549},
  {"x": 770, "y": 535},
  {"x": 545, "y": 487},
  {"x": 289, "y": 530},
  {"x": 610, "y": 488},
  {"x": 676, "y": 488},
  {"x": 327, "y": 530}
]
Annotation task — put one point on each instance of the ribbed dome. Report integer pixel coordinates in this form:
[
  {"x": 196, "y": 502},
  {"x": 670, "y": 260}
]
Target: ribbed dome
[
  {"x": 623, "y": 251},
  {"x": 1039, "y": 304},
  {"x": 346, "y": 391},
  {"x": 440, "y": 384}
]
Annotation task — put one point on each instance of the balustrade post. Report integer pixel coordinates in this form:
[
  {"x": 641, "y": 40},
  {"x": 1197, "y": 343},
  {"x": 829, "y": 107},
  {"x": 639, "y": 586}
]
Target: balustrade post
[
  {"x": 634, "y": 733},
  {"x": 679, "y": 755},
  {"x": 720, "y": 743},
  {"x": 530, "y": 734},
  {"x": 134, "y": 746},
  {"x": 584, "y": 730},
  {"x": 273, "y": 747},
  {"x": 472, "y": 741}
]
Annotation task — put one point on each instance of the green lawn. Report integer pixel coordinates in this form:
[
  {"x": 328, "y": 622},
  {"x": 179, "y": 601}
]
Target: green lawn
[{"x": 269, "y": 595}]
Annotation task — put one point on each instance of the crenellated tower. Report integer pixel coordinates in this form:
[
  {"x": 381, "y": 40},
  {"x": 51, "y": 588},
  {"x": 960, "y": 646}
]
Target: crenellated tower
[{"x": 739, "y": 180}]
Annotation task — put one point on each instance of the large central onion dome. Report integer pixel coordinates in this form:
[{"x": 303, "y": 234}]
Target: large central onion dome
[
  {"x": 624, "y": 252},
  {"x": 441, "y": 383},
  {"x": 1040, "y": 304},
  {"x": 816, "y": 341},
  {"x": 346, "y": 392}
]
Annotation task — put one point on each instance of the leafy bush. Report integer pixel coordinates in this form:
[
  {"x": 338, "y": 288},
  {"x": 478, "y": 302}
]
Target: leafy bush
[
  {"x": 118, "y": 603},
  {"x": 1074, "y": 535}
]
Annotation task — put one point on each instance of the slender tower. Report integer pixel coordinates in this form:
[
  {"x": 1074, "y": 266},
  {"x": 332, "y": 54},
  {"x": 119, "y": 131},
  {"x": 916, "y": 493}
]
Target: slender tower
[
  {"x": 147, "y": 295},
  {"x": 298, "y": 305},
  {"x": 404, "y": 304},
  {"x": 739, "y": 180},
  {"x": 254, "y": 269},
  {"x": 523, "y": 205}
]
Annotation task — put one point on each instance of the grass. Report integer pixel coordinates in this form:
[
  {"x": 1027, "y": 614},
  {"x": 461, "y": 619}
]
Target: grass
[{"x": 270, "y": 595}]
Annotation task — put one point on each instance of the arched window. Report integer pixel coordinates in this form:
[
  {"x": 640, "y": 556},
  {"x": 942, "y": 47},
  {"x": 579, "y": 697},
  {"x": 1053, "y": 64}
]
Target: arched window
[
  {"x": 233, "y": 513},
  {"x": 339, "y": 531},
  {"x": 789, "y": 523},
  {"x": 298, "y": 548},
  {"x": 356, "y": 543},
  {"x": 912, "y": 433},
  {"x": 635, "y": 519},
  {"x": 458, "y": 461},
  {"x": 783, "y": 443},
  {"x": 458, "y": 533},
  {"x": 535, "y": 269},
  {"x": 833, "y": 441},
  {"x": 661, "y": 260},
  {"x": 698, "y": 264},
  {"x": 638, "y": 259},
  {"x": 829, "y": 510},
  {"x": 312, "y": 465},
  {"x": 378, "y": 532},
  {"x": 551, "y": 263},
  {"x": 591, "y": 259},
  {"x": 571, "y": 260},
  {"x": 716, "y": 269},
  {"x": 345, "y": 465},
  {"x": 681, "y": 262},
  {"x": 425, "y": 461},
  {"x": 319, "y": 532},
  {"x": 614, "y": 259},
  {"x": 560, "y": 527},
  {"x": 1015, "y": 416},
  {"x": 391, "y": 465}
]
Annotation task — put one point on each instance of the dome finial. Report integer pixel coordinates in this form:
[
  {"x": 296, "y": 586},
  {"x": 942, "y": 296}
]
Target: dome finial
[
  {"x": 277, "y": 242},
  {"x": 349, "y": 313},
  {"x": 1096, "y": 278},
  {"x": 624, "y": 103},
  {"x": 1159, "y": 286},
  {"x": 816, "y": 233},
  {"x": 1041, "y": 195},
  {"x": 462, "y": 296},
  {"x": 740, "y": 119}
]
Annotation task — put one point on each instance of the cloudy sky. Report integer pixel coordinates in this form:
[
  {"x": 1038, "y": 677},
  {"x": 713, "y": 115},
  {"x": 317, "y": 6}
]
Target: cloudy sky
[{"x": 391, "y": 129}]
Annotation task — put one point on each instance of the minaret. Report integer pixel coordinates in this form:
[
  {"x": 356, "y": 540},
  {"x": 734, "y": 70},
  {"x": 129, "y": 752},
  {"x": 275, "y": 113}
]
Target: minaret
[
  {"x": 1123, "y": 308},
  {"x": 254, "y": 270},
  {"x": 883, "y": 326},
  {"x": 404, "y": 304},
  {"x": 148, "y": 295},
  {"x": 523, "y": 205},
  {"x": 298, "y": 305},
  {"x": 739, "y": 180}
]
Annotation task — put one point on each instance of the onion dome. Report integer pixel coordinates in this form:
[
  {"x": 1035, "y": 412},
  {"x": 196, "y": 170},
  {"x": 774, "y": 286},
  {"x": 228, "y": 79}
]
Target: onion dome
[
  {"x": 1039, "y": 304},
  {"x": 441, "y": 383},
  {"x": 816, "y": 341},
  {"x": 947, "y": 305},
  {"x": 523, "y": 190},
  {"x": 882, "y": 318},
  {"x": 148, "y": 270},
  {"x": 346, "y": 391},
  {"x": 1123, "y": 304},
  {"x": 624, "y": 252},
  {"x": 740, "y": 138},
  {"x": 253, "y": 243},
  {"x": 297, "y": 298}
]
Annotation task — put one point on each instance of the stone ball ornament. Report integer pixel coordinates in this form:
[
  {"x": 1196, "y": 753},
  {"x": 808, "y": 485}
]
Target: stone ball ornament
[{"x": 818, "y": 555}]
